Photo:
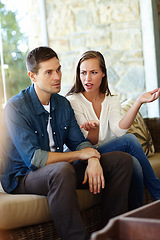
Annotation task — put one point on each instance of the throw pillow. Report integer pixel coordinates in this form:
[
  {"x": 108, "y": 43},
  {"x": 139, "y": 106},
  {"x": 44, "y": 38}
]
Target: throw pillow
[{"x": 139, "y": 129}]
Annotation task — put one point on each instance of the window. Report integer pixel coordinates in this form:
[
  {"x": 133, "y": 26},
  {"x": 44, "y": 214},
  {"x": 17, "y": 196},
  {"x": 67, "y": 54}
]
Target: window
[{"x": 14, "y": 47}]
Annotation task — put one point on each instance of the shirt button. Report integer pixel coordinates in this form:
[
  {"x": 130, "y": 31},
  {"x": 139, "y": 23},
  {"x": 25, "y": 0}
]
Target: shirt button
[
  {"x": 35, "y": 131},
  {"x": 65, "y": 127},
  {"x": 54, "y": 133},
  {"x": 57, "y": 148}
]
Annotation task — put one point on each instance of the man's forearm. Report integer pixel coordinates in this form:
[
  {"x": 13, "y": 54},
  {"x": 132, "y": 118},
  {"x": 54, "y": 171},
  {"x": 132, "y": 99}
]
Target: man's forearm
[
  {"x": 54, "y": 157},
  {"x": 83, "y": 154}
]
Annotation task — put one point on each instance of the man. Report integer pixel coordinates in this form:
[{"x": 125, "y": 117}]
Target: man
[{"x": 37, "y": 123}]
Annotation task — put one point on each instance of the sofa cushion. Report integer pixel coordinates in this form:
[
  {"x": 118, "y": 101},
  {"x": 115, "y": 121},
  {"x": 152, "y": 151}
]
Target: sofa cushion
[
  {"x": 139, "y": 129},
  {"x": 18, "y": 210},
  {"x": 155, "y": 162},
  {"x": 22, "y": 210}
]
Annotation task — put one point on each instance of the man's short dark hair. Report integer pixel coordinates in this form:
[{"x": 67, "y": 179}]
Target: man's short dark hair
[{"x": 38, "y": 55}]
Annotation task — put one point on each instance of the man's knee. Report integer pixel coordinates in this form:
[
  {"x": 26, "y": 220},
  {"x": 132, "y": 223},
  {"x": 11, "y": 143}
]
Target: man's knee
[
  {"x": 125, "y": 158},
  {"x": 62, "y": 169},
  {"x": 117, "y": 158},
  {"x": 62, "y": 172}
]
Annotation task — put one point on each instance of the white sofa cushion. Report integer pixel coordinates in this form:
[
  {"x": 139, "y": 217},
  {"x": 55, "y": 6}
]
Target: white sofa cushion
[
  {"x": 22, "y": 210},
  {"x": 19, "y": 210}
]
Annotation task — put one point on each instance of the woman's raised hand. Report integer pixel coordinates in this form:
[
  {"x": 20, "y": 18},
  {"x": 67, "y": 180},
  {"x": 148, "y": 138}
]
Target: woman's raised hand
[
  {"x": 92, "y": 124},
  {"x": 149, "y": 96}
]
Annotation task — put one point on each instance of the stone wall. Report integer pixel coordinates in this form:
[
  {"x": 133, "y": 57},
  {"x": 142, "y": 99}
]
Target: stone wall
[{"x": 110, "y": 26}]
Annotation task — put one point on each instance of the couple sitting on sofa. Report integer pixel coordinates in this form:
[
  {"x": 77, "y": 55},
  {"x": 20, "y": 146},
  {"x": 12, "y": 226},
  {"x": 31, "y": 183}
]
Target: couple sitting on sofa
[{"x": 36, "y": 124}]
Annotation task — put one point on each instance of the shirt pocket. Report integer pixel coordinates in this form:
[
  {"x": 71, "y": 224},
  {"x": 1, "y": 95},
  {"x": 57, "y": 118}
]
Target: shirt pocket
[{"x": 64, "y": 127}]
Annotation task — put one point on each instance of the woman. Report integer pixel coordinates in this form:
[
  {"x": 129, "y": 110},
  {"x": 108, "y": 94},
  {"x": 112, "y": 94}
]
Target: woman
[{"x": 98, "y": 114}]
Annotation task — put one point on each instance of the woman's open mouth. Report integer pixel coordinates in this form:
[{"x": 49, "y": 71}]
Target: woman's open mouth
[{"x": 89, "y": 85}]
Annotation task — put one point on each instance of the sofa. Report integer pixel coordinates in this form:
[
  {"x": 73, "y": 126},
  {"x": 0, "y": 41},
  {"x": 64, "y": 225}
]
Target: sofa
[{"x": 27, "y": 216}]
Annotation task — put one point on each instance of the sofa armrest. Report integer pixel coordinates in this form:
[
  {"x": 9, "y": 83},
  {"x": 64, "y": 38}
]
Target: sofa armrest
[{"x": 153, "y": 125}]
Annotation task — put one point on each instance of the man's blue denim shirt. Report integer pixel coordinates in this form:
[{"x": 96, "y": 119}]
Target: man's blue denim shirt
[{"x": 26, "y": 145}]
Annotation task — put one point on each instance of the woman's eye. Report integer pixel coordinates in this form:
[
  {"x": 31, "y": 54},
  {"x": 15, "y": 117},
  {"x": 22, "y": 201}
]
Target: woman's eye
[
  {"x": 94, "y": 72},
  {"x": 82, "y": 73},
  {"x": 49, "y": 72}
]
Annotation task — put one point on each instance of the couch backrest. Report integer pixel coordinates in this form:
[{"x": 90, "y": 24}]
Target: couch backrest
[{"x": 153, "y": 125}]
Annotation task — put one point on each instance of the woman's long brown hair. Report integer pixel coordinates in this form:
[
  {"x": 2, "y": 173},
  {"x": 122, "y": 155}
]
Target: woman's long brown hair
[{"x": 78, "y": 87}]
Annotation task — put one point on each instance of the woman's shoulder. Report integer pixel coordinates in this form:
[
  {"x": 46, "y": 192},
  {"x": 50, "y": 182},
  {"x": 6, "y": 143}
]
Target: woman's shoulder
[
  {"x": 74, "y": 97},
  {"x": 79, "y": 102}
]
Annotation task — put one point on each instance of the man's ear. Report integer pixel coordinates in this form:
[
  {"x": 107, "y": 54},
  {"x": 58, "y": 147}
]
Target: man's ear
[{"x": 31, "y": 76}]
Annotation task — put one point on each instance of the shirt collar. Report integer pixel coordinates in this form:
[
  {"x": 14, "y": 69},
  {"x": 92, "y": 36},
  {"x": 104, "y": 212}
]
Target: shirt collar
[{"x": 38, "y": 107}]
